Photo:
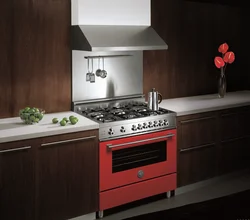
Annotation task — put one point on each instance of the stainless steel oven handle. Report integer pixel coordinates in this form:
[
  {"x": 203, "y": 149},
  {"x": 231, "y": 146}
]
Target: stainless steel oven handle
[{"x": 110, "y": 146}]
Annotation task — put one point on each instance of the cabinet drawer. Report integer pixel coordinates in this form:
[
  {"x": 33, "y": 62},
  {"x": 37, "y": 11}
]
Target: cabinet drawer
[
  {"x": 235, "y": 123},
  {"x": 196, "y": 131},
  {"x": 233, "y": 155},
  {"x": 196, "y": 164}
]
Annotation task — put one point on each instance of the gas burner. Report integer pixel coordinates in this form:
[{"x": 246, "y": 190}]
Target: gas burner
[
  {"x": 109, "y": 118},
  {"x": 94, "y": 114},
  {"x": 99, "y": 116},
  {"x": 139, "y": 109},
  {"x": 105, "y": 120},
  {"x": 126, "y": 118},
  {"x": 151, "y": 113},
  {"x": 129, "y": 116},
  {"x": 118, "y": 111}
]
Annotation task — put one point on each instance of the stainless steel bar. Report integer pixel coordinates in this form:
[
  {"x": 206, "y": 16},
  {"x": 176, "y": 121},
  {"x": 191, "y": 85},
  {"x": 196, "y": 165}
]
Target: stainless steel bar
[
  {"x": 109, "y": 99},
  {"x": 67, "y": 141},
  {"x": 15, "y": 149},
  {"x": 198, "y": 147},
  {"x": 110, "y": 146},
  {"x": 108, "y": 56}
]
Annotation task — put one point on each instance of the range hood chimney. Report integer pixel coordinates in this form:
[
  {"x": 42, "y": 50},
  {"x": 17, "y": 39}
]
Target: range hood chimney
[{"x": 113, "y": 25}]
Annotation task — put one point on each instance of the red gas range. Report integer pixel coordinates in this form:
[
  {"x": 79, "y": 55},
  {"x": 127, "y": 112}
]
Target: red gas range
[{"x": 137, "y": 150}]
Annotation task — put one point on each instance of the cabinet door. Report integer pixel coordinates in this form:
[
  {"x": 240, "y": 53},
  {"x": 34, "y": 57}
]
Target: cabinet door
[
  {"x": 234, "y": 146},
  {"x": 234, "y": 154},
  {"x": 197, "y": 138},
  {"x": 196, "y": 130},
  {"x": 67, "y": 175},
  {"x": 16, "y": 181},
  {"x": 234, "y": 123},
  {"x": 196, "y": 164}
]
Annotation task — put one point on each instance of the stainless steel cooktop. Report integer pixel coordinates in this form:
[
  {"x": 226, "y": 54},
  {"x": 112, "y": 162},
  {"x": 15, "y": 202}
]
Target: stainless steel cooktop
[{"x": 125, "y": 118}]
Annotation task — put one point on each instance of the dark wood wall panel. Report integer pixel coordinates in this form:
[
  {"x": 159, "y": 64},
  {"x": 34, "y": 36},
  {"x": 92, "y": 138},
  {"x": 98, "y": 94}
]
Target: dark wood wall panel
[
  {"x": 35, "y": 54},
  {"x": 5, "y": 57},
  {"x": 38, "y": 47},
  {"x": 193, "y": 32}
]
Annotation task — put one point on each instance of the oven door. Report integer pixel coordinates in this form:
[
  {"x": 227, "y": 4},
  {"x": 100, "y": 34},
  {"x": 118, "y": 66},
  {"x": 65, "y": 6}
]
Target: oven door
[{"x": 137, "y": 158}]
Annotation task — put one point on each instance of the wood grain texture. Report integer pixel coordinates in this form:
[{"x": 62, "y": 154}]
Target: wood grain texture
[
  {"x": 67, "y": 176},
  {"x": 17, "y": 180},
  {"x": 39, "y": 56},
  {"x": 6, "y": 20},
  {"x": 35, "y": 53},
  {"x": 193, "y": 32},
  {"x": 212, "y": 144}
]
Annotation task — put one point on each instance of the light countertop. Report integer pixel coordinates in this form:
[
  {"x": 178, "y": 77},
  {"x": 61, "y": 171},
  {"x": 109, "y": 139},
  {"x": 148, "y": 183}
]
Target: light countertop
[
  {"x": 204, "y": 103},
  {"x": 13, "y": 129}
]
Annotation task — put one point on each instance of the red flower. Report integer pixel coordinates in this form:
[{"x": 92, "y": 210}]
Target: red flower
[
  {"x": 229, "y": 57},
  {"x": 223, "y": 48},
  {"x": 219, "y": 62},
  {"x": 226, "y": 58}
]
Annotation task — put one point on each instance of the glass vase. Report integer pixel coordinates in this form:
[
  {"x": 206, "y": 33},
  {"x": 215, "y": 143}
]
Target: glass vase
[{"x": 222, "y": 85}]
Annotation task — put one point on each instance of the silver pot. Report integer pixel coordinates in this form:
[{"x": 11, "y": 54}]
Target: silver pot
[{"x": 154, "y": 99}]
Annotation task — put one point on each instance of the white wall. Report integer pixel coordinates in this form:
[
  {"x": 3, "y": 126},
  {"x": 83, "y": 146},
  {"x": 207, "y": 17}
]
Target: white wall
[{"x": 111, "y": 12}]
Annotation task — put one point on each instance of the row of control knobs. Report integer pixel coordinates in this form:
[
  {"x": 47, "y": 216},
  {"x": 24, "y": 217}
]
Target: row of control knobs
[
  {"x": 111, "y": 130},
  {"x": 142, "y": 126},
  {"x": 150, "y": 124}
]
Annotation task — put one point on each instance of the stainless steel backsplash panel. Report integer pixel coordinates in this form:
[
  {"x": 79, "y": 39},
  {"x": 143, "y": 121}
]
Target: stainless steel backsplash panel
[{"x": 124, "y": 78}]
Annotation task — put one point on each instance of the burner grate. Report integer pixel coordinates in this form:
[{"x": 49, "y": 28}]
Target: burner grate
[{"x": 121, "y": 111}]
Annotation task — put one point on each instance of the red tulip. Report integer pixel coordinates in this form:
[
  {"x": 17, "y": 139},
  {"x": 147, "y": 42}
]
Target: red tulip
[
  {"x": 223, "y": 48},
  {"x": 219, "y": 62},
  {"x": 229, "y": 57}
]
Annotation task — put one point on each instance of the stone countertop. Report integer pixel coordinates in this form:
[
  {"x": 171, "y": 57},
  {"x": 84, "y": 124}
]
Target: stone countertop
[
  {"x": 13, "y": 129},
  {"x": 198, "y": 104}
]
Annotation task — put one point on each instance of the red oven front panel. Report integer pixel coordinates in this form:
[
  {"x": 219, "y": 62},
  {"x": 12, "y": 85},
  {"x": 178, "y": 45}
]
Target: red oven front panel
[
  {"x": 109, "y": 180},
  {"x": 133, "y": 192}
]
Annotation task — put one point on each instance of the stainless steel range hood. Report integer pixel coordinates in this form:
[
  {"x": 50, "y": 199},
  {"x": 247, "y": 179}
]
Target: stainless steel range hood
[
  {"x": 113, "y": 25},
  {"x": 115, "y": 38}
]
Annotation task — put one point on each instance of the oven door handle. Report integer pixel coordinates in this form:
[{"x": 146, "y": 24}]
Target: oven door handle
[{"x": 110, "y": 146}]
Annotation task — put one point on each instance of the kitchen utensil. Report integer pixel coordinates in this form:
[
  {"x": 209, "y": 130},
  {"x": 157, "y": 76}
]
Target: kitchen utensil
[
  {"x": 92, "y": 75},
  {"x": 98, "y": 71},
  {"x": 154, "y": 99},
  {"x": 88, "y": 73},
  {"x": 103, "y": 72}
]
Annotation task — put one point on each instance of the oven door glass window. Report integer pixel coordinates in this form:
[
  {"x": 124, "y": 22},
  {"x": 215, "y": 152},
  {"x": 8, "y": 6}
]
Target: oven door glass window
[{"x": 133, "y": 157}]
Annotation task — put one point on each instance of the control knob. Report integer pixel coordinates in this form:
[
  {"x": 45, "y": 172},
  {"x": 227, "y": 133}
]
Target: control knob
[
  {"x": 122, "y": 129},
  {"x": 144, "y": 125},
  {"x": 166, "y": 122},
  {"x": 134, "y": 128},
  {"x": 150, "y": 124},
  {"x": 155, "y": 124},
  {"x": 111, "y": 131},
  {"x": 161, "y": 123},
  {"x": 139, "y": 127}
]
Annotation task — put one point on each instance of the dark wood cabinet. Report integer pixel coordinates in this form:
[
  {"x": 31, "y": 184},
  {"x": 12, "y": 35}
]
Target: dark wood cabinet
[
  {"x": 17, "y": 181},
  {"x": 234, "y": 145},
  {"x": 49, "y": 178},
  {"x": 67, "y": 176},
  {"x": 212, "y": 144},
  {"x": 233, "y": 155},
  {"x": 196, "y": 147}
]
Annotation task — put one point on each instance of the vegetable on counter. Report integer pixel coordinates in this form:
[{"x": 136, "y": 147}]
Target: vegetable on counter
[
  {"x": 31, "y": 115},
  {"x": 72, "y": 119}
]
